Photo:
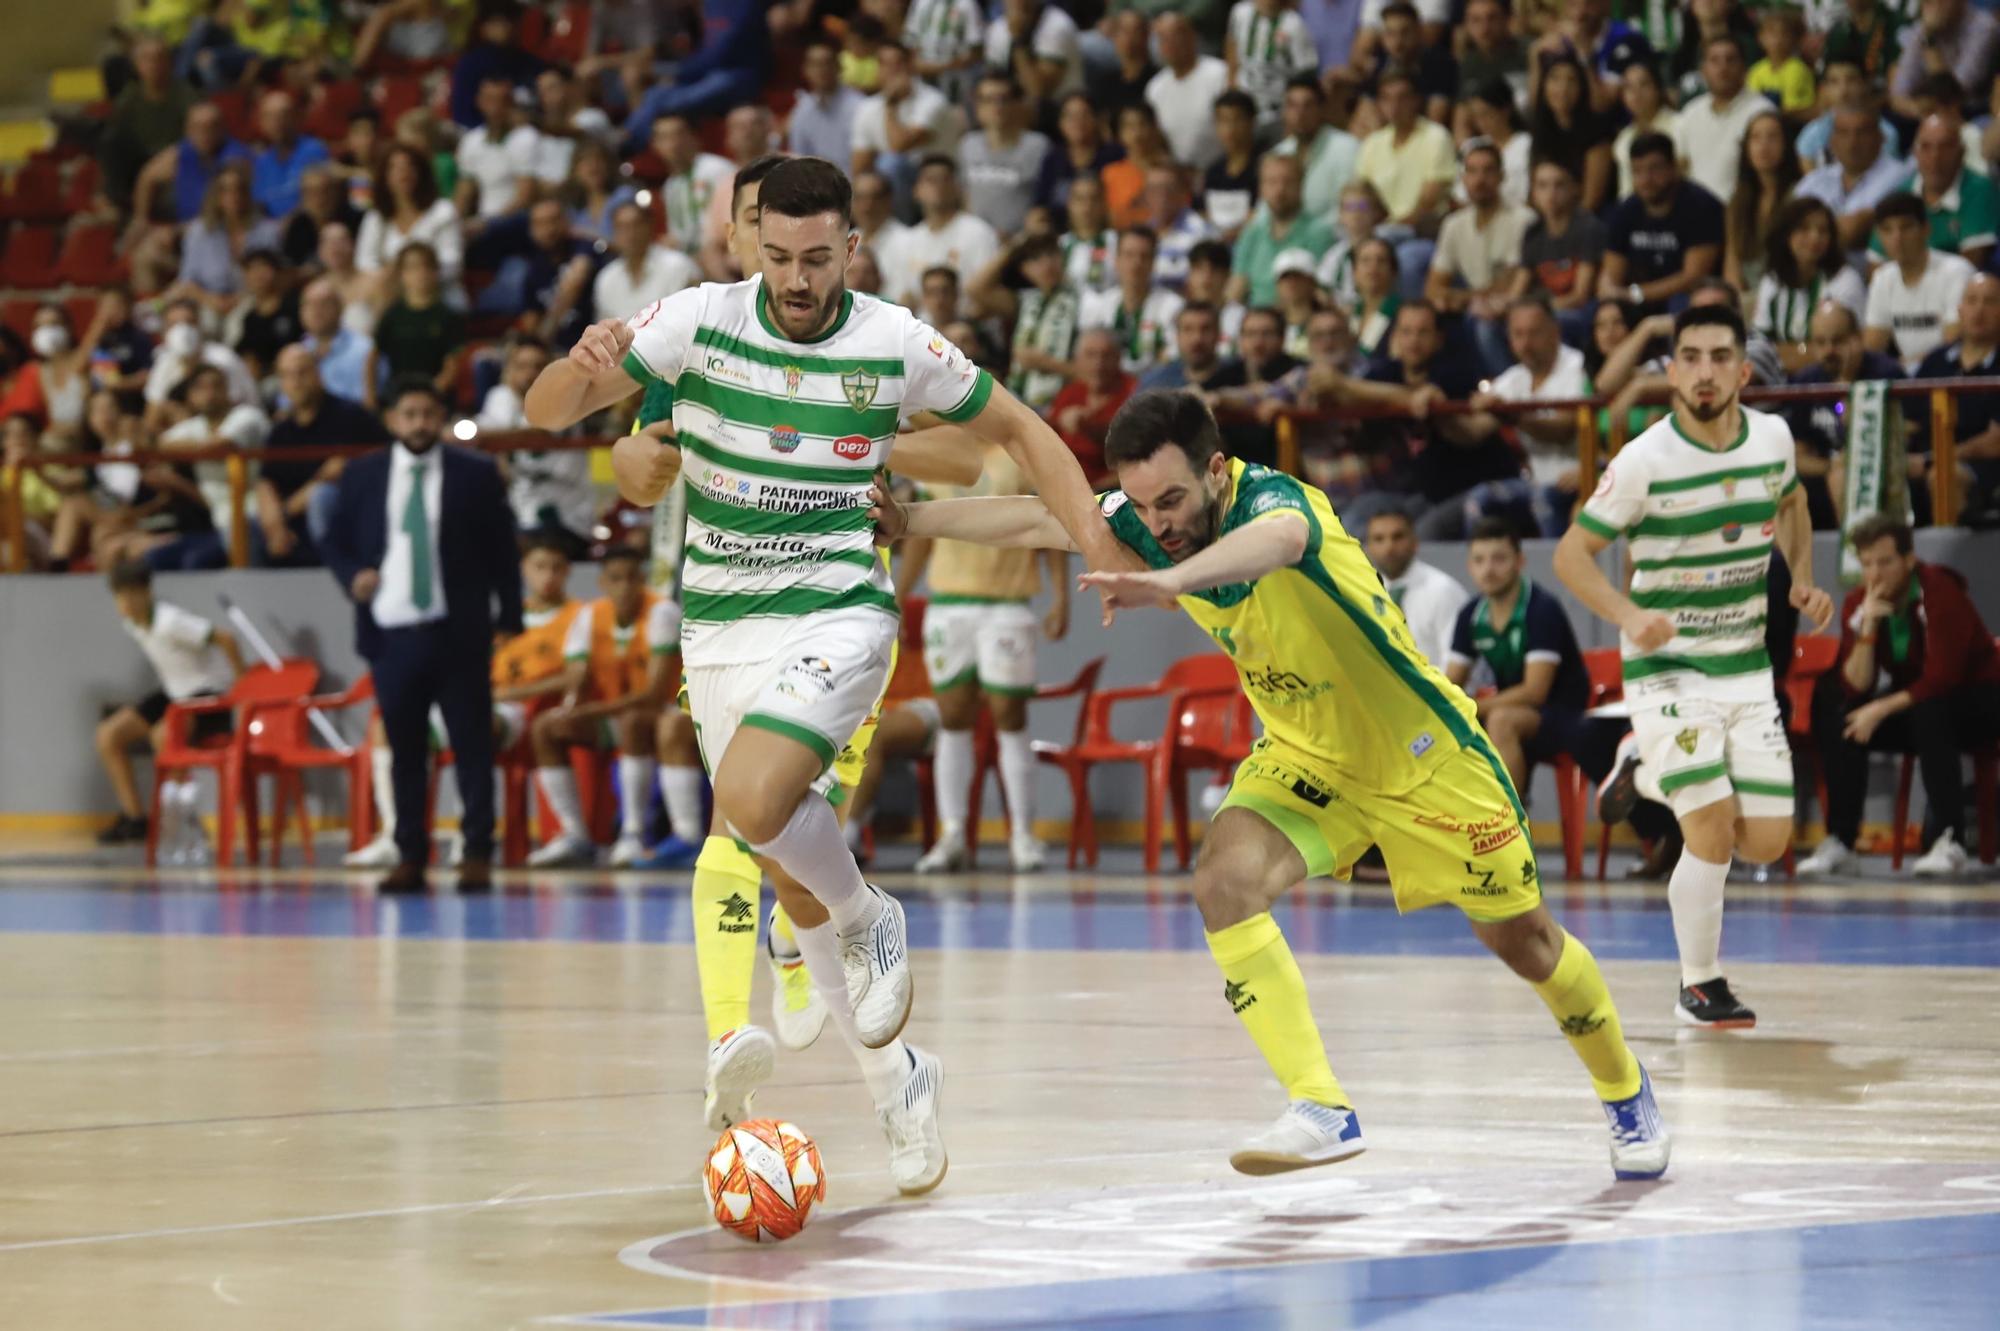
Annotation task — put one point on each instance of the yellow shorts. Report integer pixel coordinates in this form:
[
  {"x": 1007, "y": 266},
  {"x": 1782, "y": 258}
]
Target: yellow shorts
[
  {"x": 853, "y": 756},
  {"x": 1460, "y": 837}
]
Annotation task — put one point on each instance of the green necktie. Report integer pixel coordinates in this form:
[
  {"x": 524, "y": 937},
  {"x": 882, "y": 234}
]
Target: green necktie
[
  {"x": 1396, "y": 594},
  {"x": 416, "y": 522}
]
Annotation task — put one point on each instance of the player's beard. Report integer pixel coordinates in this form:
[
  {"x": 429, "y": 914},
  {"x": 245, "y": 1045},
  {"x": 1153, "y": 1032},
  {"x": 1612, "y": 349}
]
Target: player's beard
[
  {"x": 1705, "y": 414},
  {"x": 811, "y": 325},
  {"x": 1202, "y": 534}
]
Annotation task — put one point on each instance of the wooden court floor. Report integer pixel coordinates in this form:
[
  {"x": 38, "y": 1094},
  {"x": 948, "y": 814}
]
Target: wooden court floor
[{"x": 282, "y": 1103}]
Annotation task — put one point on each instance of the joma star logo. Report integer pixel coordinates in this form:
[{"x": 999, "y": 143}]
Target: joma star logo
[
  {"x": 860, "y": 386},
  {"x": 1238, "y": 998},
  {"x": 736, "y": 915}
]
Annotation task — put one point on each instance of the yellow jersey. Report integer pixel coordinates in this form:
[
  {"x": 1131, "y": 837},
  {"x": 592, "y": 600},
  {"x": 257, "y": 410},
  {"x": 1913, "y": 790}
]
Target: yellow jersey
[{"x": 1325, "y": 656}]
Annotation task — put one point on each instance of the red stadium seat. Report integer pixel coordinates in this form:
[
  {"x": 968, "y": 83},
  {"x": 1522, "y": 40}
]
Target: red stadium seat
[
  {"x": 90, "y": 258},
  {"x": 35, "y": 194},
  {"x": 332, "y": 104},
  {"x": 1208, "y": 725},
  {"x": 397, "y": 94},
  {"x": 18, "y": 316},
  {"x": 237, "y": 115},
  {"x": 30, "y": 259},
  {"x": 81, "y": 186},
  {"x": 82, "y": 312},
  {"x": 284, "y": 746},
  {"x": 229, "y": 758}
]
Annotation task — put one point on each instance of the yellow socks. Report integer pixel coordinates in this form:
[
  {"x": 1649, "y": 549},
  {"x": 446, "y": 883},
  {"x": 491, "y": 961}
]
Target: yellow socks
[
  {"x": 727, "y": 884},
  {"x": 1262, "y": 984},
  {"x": 1584, "y": 1010}
]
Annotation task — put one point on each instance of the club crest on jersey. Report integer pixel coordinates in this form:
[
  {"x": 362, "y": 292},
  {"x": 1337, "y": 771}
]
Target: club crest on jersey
[
  {"x": 784, "y": 438},
  {"x": 1687, "y": 739},
  {"x": 794, "y": 376},
  {"x": 1729, "y": 487},
  {"x": 860, "y": 386},
  {"x": 1775, "y": 485}
]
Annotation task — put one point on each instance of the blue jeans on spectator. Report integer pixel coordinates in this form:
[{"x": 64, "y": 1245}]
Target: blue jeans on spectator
[
  {"x": 1489, "y": 343},
  {"x": 712, "y": 93},
  {"x": 191, "y": 553},
  {"x": 319, "y": 513},
  {"x": 1413, "y": 257},
  {"x": 1522, "y": 497},
  {"x": 1576, "y": 325},
  {"x": 511, "y": 289}
]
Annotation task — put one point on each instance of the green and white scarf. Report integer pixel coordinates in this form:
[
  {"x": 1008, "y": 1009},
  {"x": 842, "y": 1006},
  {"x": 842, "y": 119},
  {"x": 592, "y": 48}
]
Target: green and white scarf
[
  {"x": 1877, "y": 471},
  {"x": 1046, "y": 323}
]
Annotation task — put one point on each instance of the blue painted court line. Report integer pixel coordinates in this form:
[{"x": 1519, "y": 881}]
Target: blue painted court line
[
  {"x": 1935, "y": 1274},
  {"x": 1779, "y": 929}
]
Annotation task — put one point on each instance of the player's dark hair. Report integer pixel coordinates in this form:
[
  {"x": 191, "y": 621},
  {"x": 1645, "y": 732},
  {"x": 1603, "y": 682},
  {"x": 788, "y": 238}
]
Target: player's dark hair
[
  {"x": 1401, "y": 8},
  {"x": 1140, "y": 231},
  {"x": 1651, "y": 144},
  {"x": 1238, "y": 100},
  {"x": 1878, "y": 526},
  {"x": 1496, "y": 529},
  {"x": 1197, "y": 307},
  {"x": 1306, "y": 83},
  {"x": 943, "y": 270},
  {"x": 1211, "y": 254},
  {"x": 130, "y": 575},
  {"x": 1902, "y": 204},
  {"x": 623, "y": 554},
  {"x": 753, "y": 174},
  {"x": 1393, "y": 513},
  {"x": 807, "y": 187},
  {"x": 1150, "y": 421},
  {"x": 416, "y": 385},
  {"x": 1396, "y": 74},
  {"x": 1264, "y": 312},
  {"x": 945, "y": 160},
  {"x": 1711, "y": 316},
  {"x": 540, "y": 541},
  {"x": 1486, "y": 146}
]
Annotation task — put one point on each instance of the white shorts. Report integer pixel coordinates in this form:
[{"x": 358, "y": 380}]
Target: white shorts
[
  {"x": 821, "y": 679},
  {"x": 990, "y": 641},
  {"x": 1695, "y": 753}
]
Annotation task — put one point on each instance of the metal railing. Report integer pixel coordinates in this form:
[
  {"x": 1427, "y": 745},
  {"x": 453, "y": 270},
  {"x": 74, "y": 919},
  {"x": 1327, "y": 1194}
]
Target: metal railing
[{"x": 1592, "y": 449}]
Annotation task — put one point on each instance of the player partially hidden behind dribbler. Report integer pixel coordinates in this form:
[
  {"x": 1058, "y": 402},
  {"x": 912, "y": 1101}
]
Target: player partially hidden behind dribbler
[
  {"x": 1365, "y": 743},
  {"x": 1703, "y": 497}
]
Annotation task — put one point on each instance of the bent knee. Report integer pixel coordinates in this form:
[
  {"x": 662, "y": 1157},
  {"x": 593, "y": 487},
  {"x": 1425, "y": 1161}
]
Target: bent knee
[
  {"x": 1225, "y": 898},
  {"x": 1763, "y": 841},
  {"x": 752, "y": 804}
]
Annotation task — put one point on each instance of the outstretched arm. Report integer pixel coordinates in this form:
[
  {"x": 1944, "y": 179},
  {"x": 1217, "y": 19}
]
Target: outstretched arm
[
  {"x": 1003, "y": 520},
  {"x": 1058, "y": 480},
  {"x": 1244, "y": 555},
  {"x": 589, "y": 379}
]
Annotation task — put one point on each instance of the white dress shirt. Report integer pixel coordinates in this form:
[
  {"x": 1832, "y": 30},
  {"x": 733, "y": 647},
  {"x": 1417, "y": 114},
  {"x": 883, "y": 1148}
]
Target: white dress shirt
[
  {"x": 392, "y": 605},
  {"x": 1431, "y": 599},
  {"x": 620, "y": 293}
]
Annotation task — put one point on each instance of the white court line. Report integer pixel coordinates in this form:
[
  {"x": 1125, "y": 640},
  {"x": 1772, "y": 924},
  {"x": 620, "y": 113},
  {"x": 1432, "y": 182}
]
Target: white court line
[{"x": 503, "y": 1199}]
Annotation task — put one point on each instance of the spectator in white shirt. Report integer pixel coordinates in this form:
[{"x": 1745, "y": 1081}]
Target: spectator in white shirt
[
  {"x": 183, "y": 349},
  {"x": 549, "y": 491},
  {"x": 213, "y": 423},
  {"x": 693, "y": 179},
  {"x": 1478, "y": 248},
  {"x": 1173, "y": 218},
  {"x": 1430, "y": 598},
  {"x": 1183, "y": 93},
  {"x": 1709, "y": 134},
  {"x": 1546, "y": 370},
  {"x": 643, "y": 271},
  {"x": 947, "y": 235},
  {"x": 408, "y": 210},
  {"x": 902, "y": 124},
  {"x": 1913, "y": 298},
  {"x": 1860, "y": 176},
  {"x": 1138, "y": 311},
  {"x": 497, "y": 159},
  {"x": 1037, "y": 43}
]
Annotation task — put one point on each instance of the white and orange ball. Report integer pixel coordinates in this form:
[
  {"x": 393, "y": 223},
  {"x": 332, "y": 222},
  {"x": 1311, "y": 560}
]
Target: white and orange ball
[{"x": 762, "y": 1180}]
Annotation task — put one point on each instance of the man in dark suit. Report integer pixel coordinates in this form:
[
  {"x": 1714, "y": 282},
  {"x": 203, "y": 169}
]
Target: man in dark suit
[{"x": 423, "y": 539}]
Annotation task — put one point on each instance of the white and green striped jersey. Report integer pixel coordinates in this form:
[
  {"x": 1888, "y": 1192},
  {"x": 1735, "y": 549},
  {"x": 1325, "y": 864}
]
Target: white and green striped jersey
[
  {"x": 779, "y": 441},
  {"x": 1269, "y": 51},
  {"x": 1701, "y": 523}
]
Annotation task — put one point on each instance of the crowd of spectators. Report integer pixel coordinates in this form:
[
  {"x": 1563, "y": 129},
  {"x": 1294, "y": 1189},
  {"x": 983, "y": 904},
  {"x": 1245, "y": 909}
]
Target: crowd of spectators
[{"x": 1291, "y": 206}]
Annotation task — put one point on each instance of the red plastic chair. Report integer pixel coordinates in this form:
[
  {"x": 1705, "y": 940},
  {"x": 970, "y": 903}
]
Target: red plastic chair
[
  {"x": 30, "y": 258},
  {"x": 1812, "y": 656},
  {"x": 1193, "y": 687},
  {"x": 229, "y": 758},
  {"x": 90, "y": 258},
  {"x": 1607, "y": 684},
  {"x": 986, "y": 752},
  {"x": 284, "y": 746}
]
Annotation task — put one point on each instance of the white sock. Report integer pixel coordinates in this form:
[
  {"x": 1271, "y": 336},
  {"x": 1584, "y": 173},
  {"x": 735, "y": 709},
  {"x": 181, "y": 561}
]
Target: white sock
[
  {"x": 951, "y": 766},
  {"x": 1695, "y": 894},
  {"x": 680, "y": 791},
  {"x": 1017, "y": 778},
  {"x": 183, "y": 794},
  {"x": 635, "y": 789},
  {"x": 559, "y": 789},
  {"x": 885, "y": 1069},
  {"x": 812, "y": 850},
  {"x": 381, "y": 765}
]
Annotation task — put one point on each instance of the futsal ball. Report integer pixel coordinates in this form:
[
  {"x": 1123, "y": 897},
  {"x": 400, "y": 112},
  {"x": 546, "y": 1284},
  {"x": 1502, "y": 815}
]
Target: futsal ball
[{"x": 762, "y": 1180}]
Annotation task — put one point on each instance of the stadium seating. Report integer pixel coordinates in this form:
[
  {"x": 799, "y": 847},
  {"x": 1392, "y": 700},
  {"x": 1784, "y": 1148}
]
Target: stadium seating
[
  {"x": 231, "y": 757},
  {"x": 282, "y": 743}
]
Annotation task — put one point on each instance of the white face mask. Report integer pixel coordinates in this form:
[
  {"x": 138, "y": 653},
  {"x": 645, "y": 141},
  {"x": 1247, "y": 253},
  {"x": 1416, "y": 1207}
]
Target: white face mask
[
  {"x": 184, "y": 340},
  {"x": 49, "y": 340}
]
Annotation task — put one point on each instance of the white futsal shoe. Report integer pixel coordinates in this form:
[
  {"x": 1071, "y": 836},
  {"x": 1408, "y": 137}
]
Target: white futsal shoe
[
  {"x": 381, "y": 853},
  {"x": 1640, "y": 1144},
  {"x": 1027, "y": 854},
  {"x": 917, "y": 1160},
  {"x": 876, "y": 959},
  {"x": 1306, "y": 1134},
  {"x": 565, "y": 852},
  {"x": 1830, "y": 857},
  {"x": 627, "y": 851},
  {"x": 947, "y": 856},
  {"x": 798, "y": 1013},
  {"x": 1945, "y": 859},
  {"x": 738, "y": 1064}
]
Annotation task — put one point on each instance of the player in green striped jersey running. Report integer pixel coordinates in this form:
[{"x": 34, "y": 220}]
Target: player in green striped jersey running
[
  {"x": 788, "y": 391},
  {"x": 1702, "y": 498}
]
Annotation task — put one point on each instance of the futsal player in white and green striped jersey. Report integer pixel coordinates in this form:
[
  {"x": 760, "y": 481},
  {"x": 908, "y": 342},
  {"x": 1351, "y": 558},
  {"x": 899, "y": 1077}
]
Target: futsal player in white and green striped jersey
[
  {"x": 788, "y": 391},
  {"x": 1702, "y": 499}
]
